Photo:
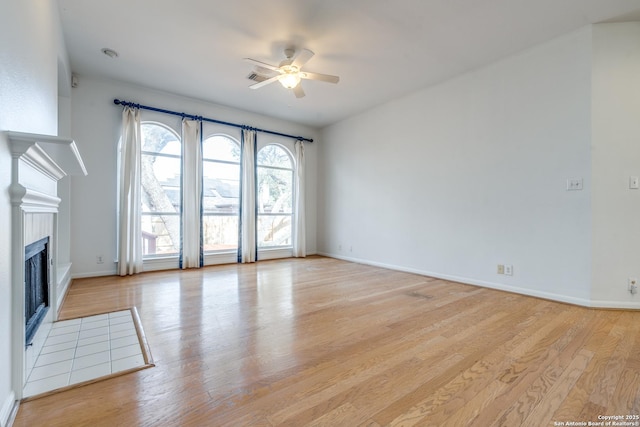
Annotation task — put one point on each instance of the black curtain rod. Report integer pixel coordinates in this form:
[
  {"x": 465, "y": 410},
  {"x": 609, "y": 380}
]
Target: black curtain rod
[{"x": 205, "y": 119}]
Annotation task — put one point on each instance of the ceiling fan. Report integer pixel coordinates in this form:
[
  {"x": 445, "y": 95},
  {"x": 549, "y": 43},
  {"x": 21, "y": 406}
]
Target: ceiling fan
[{"x": 288, "y": 73}]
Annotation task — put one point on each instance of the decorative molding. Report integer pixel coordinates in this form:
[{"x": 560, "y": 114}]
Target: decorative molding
[
  {"x": 46, "y": 150},
  {"x": 33, "y": 201},
  {"x": 39, "y": 160}
]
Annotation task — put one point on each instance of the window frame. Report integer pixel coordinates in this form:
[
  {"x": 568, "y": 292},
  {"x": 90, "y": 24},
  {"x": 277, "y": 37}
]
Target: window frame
[
  {"x": 225, "y": 256},
  {"x": 292, "y": 170},
  {"x": 222, "y": 214},
  {"x": 178, "y": 213}
]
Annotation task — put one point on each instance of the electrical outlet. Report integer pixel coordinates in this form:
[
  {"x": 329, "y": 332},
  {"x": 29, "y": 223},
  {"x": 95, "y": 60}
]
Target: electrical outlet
[
  {"x": 500, "y": 268},
  {"x": 99, "y": 259},
  {"x": 508, "y": 270},
  {"x": 574, "y": 184},
  {"x": 632, "y": 285}
]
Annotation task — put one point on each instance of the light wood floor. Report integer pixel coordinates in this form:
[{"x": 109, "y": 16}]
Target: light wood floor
[{"x": 319, "y": 341}]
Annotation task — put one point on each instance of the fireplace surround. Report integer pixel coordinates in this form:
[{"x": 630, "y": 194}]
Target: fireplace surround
[{"x": 38, "y": 163}]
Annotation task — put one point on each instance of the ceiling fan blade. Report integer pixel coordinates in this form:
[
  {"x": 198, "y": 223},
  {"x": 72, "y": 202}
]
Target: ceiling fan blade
[
  {"x": 265, "y": 82},
  {"x": 298, "y": 91},
  {"x": 322, "y": 77},
  {"x": 262, "y": 64},
  {"x": 302, "y": 57}
]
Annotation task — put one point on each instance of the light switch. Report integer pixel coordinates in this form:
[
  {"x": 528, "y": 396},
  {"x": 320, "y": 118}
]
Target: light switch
[{"x": 634, "y": 182}]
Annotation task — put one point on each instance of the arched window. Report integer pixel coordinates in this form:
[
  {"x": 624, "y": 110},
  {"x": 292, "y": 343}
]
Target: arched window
[
  {"x": 275, "y": 196},
  {"x": 221, "y": 187},
  {"x": 160, "y": 180}
]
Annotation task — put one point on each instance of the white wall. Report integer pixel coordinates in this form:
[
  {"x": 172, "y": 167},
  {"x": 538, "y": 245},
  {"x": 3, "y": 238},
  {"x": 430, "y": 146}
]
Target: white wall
[
  {"x": 29, "y": 54},
  {"x": 454, "y": 179},
  {"x": 96, "y": 130},
  {"x": 616, "y": 157}
]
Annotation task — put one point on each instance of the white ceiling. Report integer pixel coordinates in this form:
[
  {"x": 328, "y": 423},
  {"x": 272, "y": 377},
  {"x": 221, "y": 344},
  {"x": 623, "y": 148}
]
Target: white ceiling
[{"x": 381, "y": 49}]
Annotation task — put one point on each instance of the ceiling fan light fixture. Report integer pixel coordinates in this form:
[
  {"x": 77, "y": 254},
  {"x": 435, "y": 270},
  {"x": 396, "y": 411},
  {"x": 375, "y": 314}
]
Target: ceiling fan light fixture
[
  {"x": 288, "y": 73},
  {"x": 290, "y": 80}
]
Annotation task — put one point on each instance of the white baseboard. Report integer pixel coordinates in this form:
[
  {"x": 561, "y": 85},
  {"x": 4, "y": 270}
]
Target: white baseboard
[
  {"x": 94, "y": 274},
  {"x": 497, "y": 286},
  {"x": 8, "y": 410},
  {"x": 171, "y": 263},
  {"x": 615, "y": 304}
]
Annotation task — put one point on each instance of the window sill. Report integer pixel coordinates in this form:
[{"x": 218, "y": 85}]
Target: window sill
[{"x": 215, "y": 258}]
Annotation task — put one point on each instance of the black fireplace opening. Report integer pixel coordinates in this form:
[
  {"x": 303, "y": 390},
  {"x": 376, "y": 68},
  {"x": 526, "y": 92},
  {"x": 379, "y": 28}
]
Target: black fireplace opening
[{"x": 36, "y": 281}]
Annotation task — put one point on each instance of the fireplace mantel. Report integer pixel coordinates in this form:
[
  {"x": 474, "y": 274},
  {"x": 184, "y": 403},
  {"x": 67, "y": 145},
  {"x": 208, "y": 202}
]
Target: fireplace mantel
[
  {"x": 59, "y": 154},
  {"x": 38, "y": 163}
]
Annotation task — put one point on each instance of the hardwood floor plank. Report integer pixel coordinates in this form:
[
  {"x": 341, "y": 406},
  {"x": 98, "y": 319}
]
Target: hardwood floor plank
[
  {"x": 608, "y": 381},
  {"x": 421, "y": 401},
  {"x": 626, "y": 399},
  {"x": 543, "y": 412},
  {"x": 319, "y": 341},
  {"x": 468, "y": 412}
]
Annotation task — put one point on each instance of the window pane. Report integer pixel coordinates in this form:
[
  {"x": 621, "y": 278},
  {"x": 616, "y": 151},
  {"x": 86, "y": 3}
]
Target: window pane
[
  {"x": 221, "y": 171},
  {"x": 220, "y": 148},
  {"x": 159, "y": 139},
  {"x": 275, "y": 190},
  {"x": 220, "y": 232},
  {"x": 160, "y": 234},
  {"x": 221, "y": 180},
  {"x": 274, "y": 230},
  {"x": 160, "y": 178},
  {"x": 272, "y": 155},
  {"x": 221, "y": 187}
]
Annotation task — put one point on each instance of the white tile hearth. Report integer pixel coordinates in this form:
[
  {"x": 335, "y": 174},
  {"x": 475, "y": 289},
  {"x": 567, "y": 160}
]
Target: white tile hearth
[{"x": 85, "y": 349}]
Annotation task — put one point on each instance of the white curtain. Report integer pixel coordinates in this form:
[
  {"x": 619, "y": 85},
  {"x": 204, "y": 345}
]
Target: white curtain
[
  {"x": 247, "y": 252},
  {"x": 299, "y": 233},
  {"x": 191, "y": 247},
  {"x": 129, "y": 227}
]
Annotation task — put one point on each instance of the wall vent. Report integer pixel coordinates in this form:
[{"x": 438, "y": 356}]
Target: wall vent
[{"x": 256, "y": 77}]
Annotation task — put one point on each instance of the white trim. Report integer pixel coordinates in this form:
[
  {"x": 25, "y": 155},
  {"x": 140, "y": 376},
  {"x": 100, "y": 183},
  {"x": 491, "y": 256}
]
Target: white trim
[
  {"x": 220, "y": 258},
  {"x": 33, "y": 201},
  {"x": 583, "y": 302},
  {"x": 615, "y": 304},
  {"x": 94, "y": 274},
  {"x": 62, "y": 282},
  {"x": 160, "y": 263},
  {"x": 171, "y": 263},
  {"x": 38, "y": 162},
  {"x": 274, "y": 253},
  {"x": 7, "y": 410},
  {"x": 56, "y": 154}
]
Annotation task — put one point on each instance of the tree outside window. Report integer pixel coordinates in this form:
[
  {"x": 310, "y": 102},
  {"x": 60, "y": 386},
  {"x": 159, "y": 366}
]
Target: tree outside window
[
  {"x": 161, "y": 177},
  {"x": 275, "y": 196},
  {"x": 160, "y": 181}
]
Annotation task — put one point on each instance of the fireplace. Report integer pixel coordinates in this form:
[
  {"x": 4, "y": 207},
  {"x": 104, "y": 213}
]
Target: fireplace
[
  {"x": 38, "y": 163},
  {"x": 36, "y": 286}
]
